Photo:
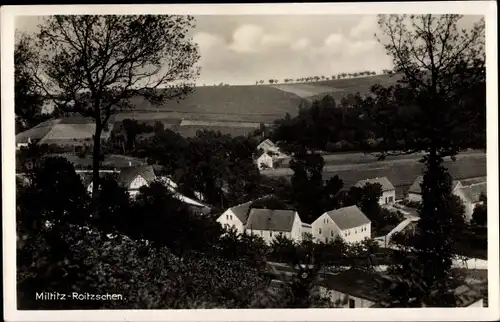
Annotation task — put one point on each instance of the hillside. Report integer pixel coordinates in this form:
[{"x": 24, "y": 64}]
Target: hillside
[
  {"x": 237, "y": 110},
  {"x": 248, "y": 105}
]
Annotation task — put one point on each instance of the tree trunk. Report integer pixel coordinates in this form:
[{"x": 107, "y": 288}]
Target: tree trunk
[{"x": 96, "y": 161}]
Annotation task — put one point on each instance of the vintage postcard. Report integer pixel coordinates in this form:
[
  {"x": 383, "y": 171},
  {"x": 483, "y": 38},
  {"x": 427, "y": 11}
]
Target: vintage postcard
[{"x": 250, "y": 162}]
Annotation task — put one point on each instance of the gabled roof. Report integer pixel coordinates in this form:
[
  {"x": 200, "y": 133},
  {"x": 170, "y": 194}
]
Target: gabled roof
[
  {"x": 471, "y": 181},
  {"x": 271, "y": 220},
  {"x": 473, "y": 192},
  {"x": 67, "y": 130},
  {"x": 149, "y": 173},
  {"x": 383, "y": 181},
  {"x": 416, "y": 189},
  {"x": 348, "y": 217},
  {"x": 262, "y": 152},
  {"x": 242, "y": 211},
  {"x": 266, "y": 142},
  {"x": 374, "y": 287}
]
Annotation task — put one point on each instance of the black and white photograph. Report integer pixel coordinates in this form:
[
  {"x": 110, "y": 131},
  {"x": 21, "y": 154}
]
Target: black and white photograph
[{"x": 205, "y": 157}]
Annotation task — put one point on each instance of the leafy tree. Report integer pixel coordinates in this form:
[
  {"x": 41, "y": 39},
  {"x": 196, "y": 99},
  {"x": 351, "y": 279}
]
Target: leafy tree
[
  {"x": 283, "y": 249},
  {"x": 95, "y": 65},
  {"x": 307, "y": 183},
  {"x": 160, "y": 217},
  {"x": 480, "y": 214},
  {"x": 158, "y": 127},
  {"x": 55, "y": 192},
  {"x": 27, "y": 99},
  {"x": 443, "y": 68}
]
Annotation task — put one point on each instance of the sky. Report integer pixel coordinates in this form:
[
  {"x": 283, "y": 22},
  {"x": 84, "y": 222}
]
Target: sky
[{"x": 246, "y": 48}]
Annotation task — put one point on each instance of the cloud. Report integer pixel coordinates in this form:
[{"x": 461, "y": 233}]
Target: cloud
[
  {"x": 252, "y": 39},
  {"x": 301, "y": 44},
  {"x": 365, "y": 28}
]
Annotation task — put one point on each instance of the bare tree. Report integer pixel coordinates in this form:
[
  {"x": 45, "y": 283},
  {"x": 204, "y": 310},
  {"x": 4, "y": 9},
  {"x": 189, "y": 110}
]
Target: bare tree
[{"x": 94, "y": 65}]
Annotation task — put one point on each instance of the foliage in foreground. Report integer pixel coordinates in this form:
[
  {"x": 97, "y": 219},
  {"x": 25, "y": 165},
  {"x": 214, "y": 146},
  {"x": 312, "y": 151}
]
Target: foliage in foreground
[{"x": 61, "y": 250}]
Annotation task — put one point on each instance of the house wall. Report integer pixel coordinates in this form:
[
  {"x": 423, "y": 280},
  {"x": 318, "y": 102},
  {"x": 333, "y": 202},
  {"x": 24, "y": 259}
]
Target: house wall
[
  {"x": 296, "y": 232},
  {"x": 328, "y": 228},
  {"x": 137, "y": 183},
  {"x": 479, "y": 303},
  {"x": 357, "y": 234},
  {"x": 228, "y": 218},
  {"x": 306, "y": 230},
  {"x": 386, "y": 197},
  {"x": 414, "y": 197},
  {"x": 469, "y": 207},
  {"x": 341, "y": 300},
  {"x": 265, "y": 159},
  {"x": 267, "y": 235}
]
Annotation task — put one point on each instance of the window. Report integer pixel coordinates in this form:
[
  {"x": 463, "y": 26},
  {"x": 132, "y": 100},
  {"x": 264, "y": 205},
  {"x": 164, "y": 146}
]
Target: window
[
  {"x": 346, "y": 234},
  {"x": 352, "y": 304},
  {"x": 227, "y": 217},
  {"x": 331, "y": 233},
  {"x": 386, "y": 200},
  {"x": 231, "y": 217},
  {"x": 391, "y": 199},
  {"x": 270, "y": 234},
  {"x": 355, "y": 231},
  {"x": 319, "y": 231}
]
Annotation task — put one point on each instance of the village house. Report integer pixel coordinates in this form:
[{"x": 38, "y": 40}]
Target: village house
[
  {"x": 267, "y": 146},
  {"x": 306, "y": 231},
  {"x": 265, "y": 223},
  {"x": 388, "y": 190},
  {"x": 357, "y": 288},
  {"x": 268, "y": 155},
  {"x": 136, "y": 177},
  {"x": 468, "y": 190},
  {"x": 269, "y": 224},
  {"x": 415, "y": 190},
  {"x": 264, "y": 160},
  {"x": 470, "y": 196},
  {"x": 348, "y": 223},
  {"x": 235, "y": 217}
]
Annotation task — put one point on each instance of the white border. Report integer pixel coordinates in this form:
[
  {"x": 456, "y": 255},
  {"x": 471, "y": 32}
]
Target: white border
[{"x": 486, "y": 8}]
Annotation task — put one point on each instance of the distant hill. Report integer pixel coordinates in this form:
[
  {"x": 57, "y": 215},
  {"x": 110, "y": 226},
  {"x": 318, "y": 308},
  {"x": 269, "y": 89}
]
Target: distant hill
[
  {"x": 237, "y": 110},
  {"x": 252, "y": 103}
]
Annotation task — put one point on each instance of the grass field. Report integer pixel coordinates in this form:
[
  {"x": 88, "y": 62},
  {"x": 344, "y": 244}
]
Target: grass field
[
  {"x": 401, "y": 171},
  {"x": 191, "y": 130},
  {"x": 255, "y": 103}
]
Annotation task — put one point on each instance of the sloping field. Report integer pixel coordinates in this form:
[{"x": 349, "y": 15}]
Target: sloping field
[
  {"x": 350, "y": 83},
  {"x": 306, "y": 90},
  {"x": 239, "y": 101},
  {"x": 363, "y": 85}
]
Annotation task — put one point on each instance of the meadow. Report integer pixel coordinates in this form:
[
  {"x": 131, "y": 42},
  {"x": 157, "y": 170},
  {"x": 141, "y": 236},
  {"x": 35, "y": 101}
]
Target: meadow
[
  {"x": 249, "y": 103},
  {"x": 401, "y": 171}
]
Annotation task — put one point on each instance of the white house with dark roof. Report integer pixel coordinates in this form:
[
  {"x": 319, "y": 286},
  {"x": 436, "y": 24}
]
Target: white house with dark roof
[
  {"x": 136, "y": 177},
  {"x": 348, "y": 223},
  {"x": 470, "y": 196},
  {"x": 235, "y": 217},
  {"x": 264, "y": 160},
  {"x": 388, "y": 189},
  {"x": 415, "y": 190},
  {"x": 269, "y": 224},
  {"x": 267, "y": 145}
]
